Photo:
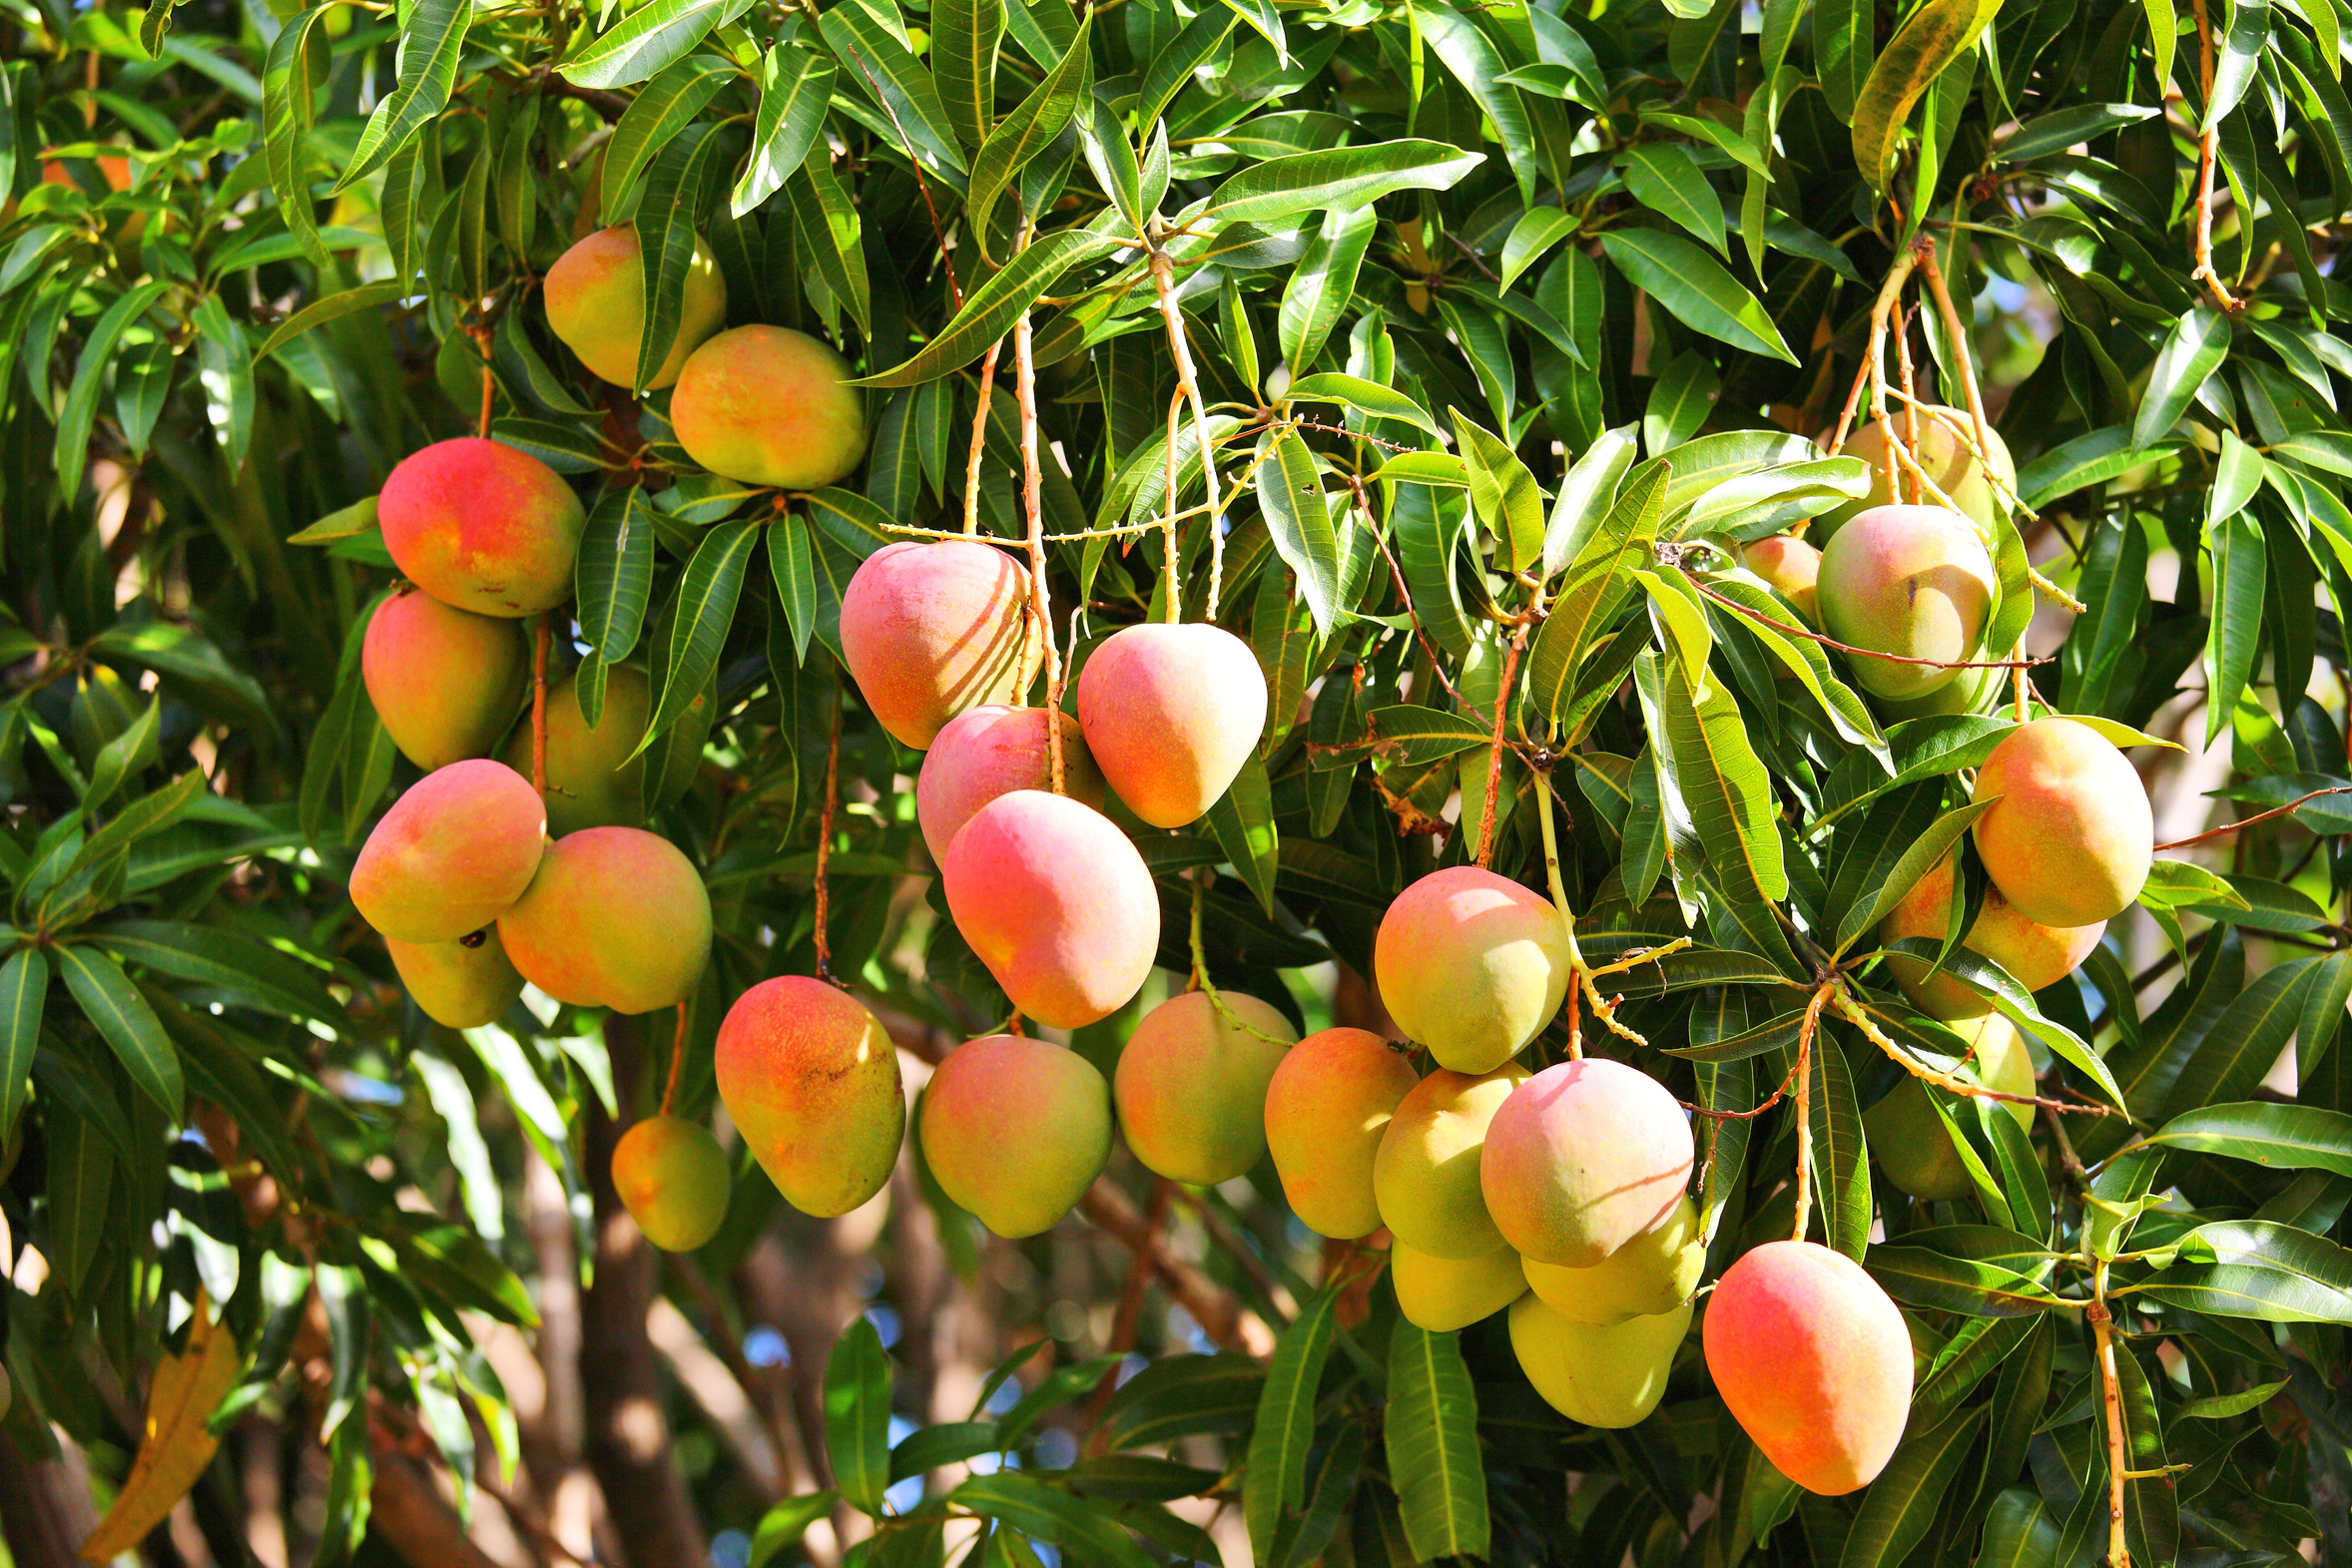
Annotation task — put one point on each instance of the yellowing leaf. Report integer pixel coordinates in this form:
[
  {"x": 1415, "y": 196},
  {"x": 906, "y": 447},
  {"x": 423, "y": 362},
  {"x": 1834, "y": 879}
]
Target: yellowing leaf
[
  {"x": 174, "y": 1448},
  {"x": 1933, "y": 37}
]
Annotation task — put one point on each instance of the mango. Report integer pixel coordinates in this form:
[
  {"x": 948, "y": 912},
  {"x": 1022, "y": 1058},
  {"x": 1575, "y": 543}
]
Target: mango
[
  {"x": 1814, "y": 1361},
  {"x": 616, "y": 917},
  {"x": 2035, "y": 956},
  {"x": 811, "y": 1081},
  {"x": 1914, "y": 581},
  {"x": 1471, "y": 965},
  {"x": 1426, "y": 1175},
  {"x": 1612, "y": 1378},
  {"x": 1790, "y": 566},
  {"x": 1942, "y": 457},
  {"x": 595, "y": 294},
  {"x": 1908, "y": 1137},
  {"x": 1968, "y": 692},
  {"x": 1191, "y": 1085},
  {"x": 930, "y": 630},
  {"x": 1019, "y": 1185},
  {"x": 1653, "y": 1272},
  {"x": 459, "y": 985},
  {"x": 2070, "y": 838},
  {"x": 1445, "y": 1293},
  {"x": 1059, "y": 905},
  {"x": 482, "y": 527},
  {"x": 674, "y": 1179},
  {"x": 1171, "y": 712},
  {"x": 1327, "y": 1108},
  {"x": 985, "y": 751},
  {"x": 445, "y": 681},
  {"x": 770, "y": 406},
  {"x": 592, "y": 781},
  {"x": 1581, "y": 1159},
  {"x": 452, "y": 854}
]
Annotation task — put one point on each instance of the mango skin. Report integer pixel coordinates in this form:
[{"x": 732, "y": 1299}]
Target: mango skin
[
  {"x": 2070, "y": 838},
  {"x": 616, "y": 917},
  {"x": 985, "y": 751},
  {"x": 1909, "y": 1139},
  {"x": 1814, "y": 1361},
  {"x": 1914, "y": 581},
  {"x": 1942, "y": 457},
  {"x": 595, "y": 298},
  {"x": 811, "y": 1081},
  {"x": 1655, "y": 1272},
  {"x": 1583, "y": 1158},
  {"x": 674, "y": 1179},
  {"x": 1171, "y": 712},
  {"x": 2034, "y": 955},
  {"x": 592, "y": 781},
  {"x": 456, "y": 985},
  {"x": 1059, "y": 905},
  {"x": 1191, "y": 1085},
  {"x": 445, "y": 681},
  {"x": 1964, "y": 693},
  {"x": 1792, "y": 568},
  {"x": 932, "y": 630},
  {"x": 1610, "y": 1378},
  {"x": 1471, "y": 965},
  {"x": 482, "y": 527},
  {"x": 1426, "y": 1175},
  {"x": 770, "y": 406},
  {"x": 1445, "y": 1293},
  {"x": 988, "y": 1088},
  {"x": 452, "y": 854},
  {"x": 1327, "y": 1108}
]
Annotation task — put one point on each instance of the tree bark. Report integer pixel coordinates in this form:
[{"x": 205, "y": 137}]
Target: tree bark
[
  {"x": 403, "y": 1509},
  {"x": 620, "y": 1372},
  {"x": 46, "y": 1516}
]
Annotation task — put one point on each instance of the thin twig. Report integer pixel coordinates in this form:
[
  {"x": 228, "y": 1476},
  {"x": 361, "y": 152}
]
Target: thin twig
[
  {"x": 2102, "y": 1330},
  {"x": 1889, "y": 291},
  {"x": 1025, "y": 364},
  {"x": 1510, "y": 666},
  {"x": 2208, "y": 147},
  {"x": 539, "y": 706},
  {"x": 1804, "y": 1073},
  {"x": 833, "y": 777},
  {"x": 1910, "y": 398},
  {"x": 2226, "y": 829},
  {"x": 980, "y": 440},
  {"x": 677, "y": 1062},
  {"x": 1761, "y": 618},
  {"x": 1163, "y": 278}
]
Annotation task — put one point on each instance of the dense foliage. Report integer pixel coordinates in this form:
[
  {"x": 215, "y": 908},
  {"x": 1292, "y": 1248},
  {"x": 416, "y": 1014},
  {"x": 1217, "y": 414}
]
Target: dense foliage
[{"x": 1510, "y": 325}]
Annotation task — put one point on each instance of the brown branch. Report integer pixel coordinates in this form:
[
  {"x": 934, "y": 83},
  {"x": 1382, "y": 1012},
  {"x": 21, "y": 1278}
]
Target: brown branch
[
  {"x": 677, "y": 1061},
  {"x": 1804, "y": 1076},
  {"x": 1223, "y": 1318},
  {"x": 1163, "y": 280},
  {"x": 2208, "y": 147},
  {"x": 833, "y": 775},
  {"x": 1510, "y": 666},
  {"x": 1861, "y": 652},
  {"x": 979, "y": 439},
  {"x": 2103, "y": 1328},
  {"x": 2226, "y": 829}
]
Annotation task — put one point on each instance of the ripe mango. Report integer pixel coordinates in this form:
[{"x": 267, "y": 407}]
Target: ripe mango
[
  {"x": 595, "y": 294},
  {"x": 1653, "y": 1272},
  {"x": 2070, "y": 838},
  {"x": 1426, "y": 1175},
  {"x": 1581, "y": 1159},
  {"x": 616, "y": 917},
  {"x": 1327, "y": 1107},
  {"x": 1943, "y": 456},
  {"x": 1471, "y": 965},
  {"x": 1914, "y": 581},
  {"x": 459, "y": 985},
  {"x": 770, "y": 406},
  {"x": 1445, "y": 1293},
  {"x": 985, "y": 751},
  {"x": 674, "y": 1179},
  {"x": 930, "y": 630},
  {"x": 1612, "y": 1376},
  {"x": 1191, "y": 1085},
  {"x": 1814, "y": 1361},
  {"x": 1059, "y": 905},
  {"x": 482, "y": 527},
  {"x": 811, "y": 1080},
  {"x": 1017, "y": 1183},
  {"x": 452, "y": 854},
  {"x": 1791, "y": 567},
  {"x": 445, "y": 681},
  {"x": 2034, "y": 955},
  {"x": 1171, "y": 712}
]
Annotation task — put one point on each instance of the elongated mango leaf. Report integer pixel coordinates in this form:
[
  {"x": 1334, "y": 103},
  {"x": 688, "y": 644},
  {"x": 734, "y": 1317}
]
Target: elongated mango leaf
[
  {"x": 1929, "y": 40},
  {"x": 1433, "y": 1445},
  {"x": 990, "y": 310},
  {"x": 1277, "y": 1475}
]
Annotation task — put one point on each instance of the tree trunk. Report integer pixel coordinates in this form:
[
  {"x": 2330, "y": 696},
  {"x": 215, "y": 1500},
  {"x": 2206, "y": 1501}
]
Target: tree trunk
[
  {"x": 45, "y": 1513},
  {"x": 620, "y": 1372}
]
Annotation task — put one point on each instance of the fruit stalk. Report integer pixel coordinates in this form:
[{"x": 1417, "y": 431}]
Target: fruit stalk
[
  {"x": 677, "y": 1061},
  {"x": 1163, "y": 282},
  {"x": 539, "y": 706},
  {"x": 1909, "y": 401},
  {"x": 1510, "y": 666},
  {"x": 833, "y": 774},
  {"x": 1801, "y": 1095},
  {"x": 2102, "y": 1326},
  {"x": 1875, "y": 355},
  {"x": 979, "y": 439},
  {"x": 1024, "y": 363},
  {"x": 2208, "y": 146},
  {"x": 1174, "y": 588}
]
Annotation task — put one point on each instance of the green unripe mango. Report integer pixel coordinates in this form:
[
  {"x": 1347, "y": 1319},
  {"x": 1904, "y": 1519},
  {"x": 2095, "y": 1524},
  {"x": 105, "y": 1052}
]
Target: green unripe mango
[
  {"x": 1651, "y": 1273},
  {"x": 673, "y": 1178},
  {"x": 459, "y": 985},
  {"x": 1426, "y": 1176},
  {"x": 1191, "y": 1085},
  {"x": 1908, "y": 1137},
  {"x": 592, "y": 779},
  {"x": 1612, "y": 1376},
  {"x": 1445, "y": 1293}
]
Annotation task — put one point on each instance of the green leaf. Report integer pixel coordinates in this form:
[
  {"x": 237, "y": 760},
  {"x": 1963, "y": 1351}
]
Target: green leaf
[
  {"x": 699, "y": 621},
  {"x": 1473, "y": 61},
  {"x": 2235, "y": 635},
  {"x": 23, "y": 990},
  {"x": 121, "y": 1015},
  {"x": 1841, "y": 1157},
  {"x": 1083, "y": 1530},
  {"x": 1276, "y": 1476},
  {"x": 781, "y": 1526},
  {"x": 2017, "y": 1004},
  {"x": 1730, "y": 797},
  {"x": 1594, "y": 588},
  {"x": 1665, "y": 178},
  {"x": 1243, "y": 821},
  {"x": 876, "y": 59},
  {"x": 2243, "y": 44},
  {"x": 2257, "y": 1269},
  {"x": 831, "y": 234},
  {"x": 794, "y": 87},
  {"x": 1902, "y": 1502},
  {"x": 226, "y": 961},
  {"x": 1173, "y": 67},
  {"x": 613, "y": 577},
  {"x": 648, "y": 41},
  {"x": 1367, "y": 399},
  {"x": 1339, "y": 176},
  {"x": 965, "y": 35},
  {"x": 80, "y": 410},
  {"x": 989, "y": 311},
  {"x": 1025, "y": 133},
  {"x": 1586, "y": 496},
  {"x": 297, "y": 66},
  {"x": 1183, "y": 1395},
  {"x": 2282, "y": 1137},
  {"x": 1925, "y": 1278},
  {"x": 2085, "y": 461},
  {"x": 2055, "y": 132},
  {"x": 858, "y": 1415},
  {"x": 1537, "y": 230},
  {"x": 431, "y": 38},
  {"x": 1919, "y": 858},
  {"x": 1298, "y": 518},
  {"x": 1929, "y": 40},
  {"x": 333, "y": 307},
  {"x": 1321, "y": 286},
  {"x": 346, "y": 522},
  {"x": 1431, "y": 1429},
  {"x": 1695, "y": 288},
  {"x": 2193, "y": 351},
  {"x": 2221, "y": 1408},
  {"x": 1504, "y": 493}
]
